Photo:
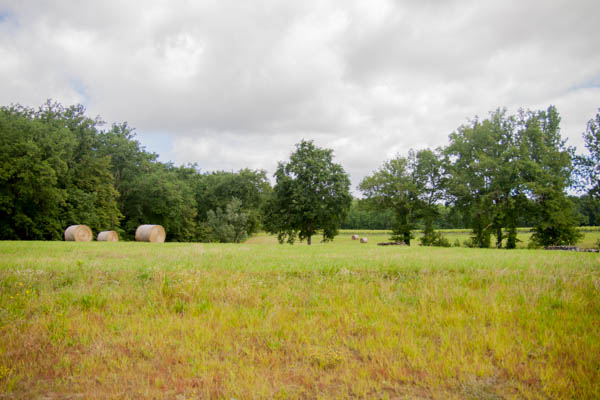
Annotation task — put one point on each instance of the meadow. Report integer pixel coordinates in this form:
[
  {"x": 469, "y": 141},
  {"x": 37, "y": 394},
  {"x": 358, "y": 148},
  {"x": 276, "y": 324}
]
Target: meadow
[{"x": 331, "y": 320}]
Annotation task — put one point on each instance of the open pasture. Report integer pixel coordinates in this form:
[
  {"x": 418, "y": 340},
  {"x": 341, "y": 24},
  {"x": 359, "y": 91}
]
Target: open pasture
[
  {"x": 262, "y": 320},
  {"x": 589, "y": 240}
]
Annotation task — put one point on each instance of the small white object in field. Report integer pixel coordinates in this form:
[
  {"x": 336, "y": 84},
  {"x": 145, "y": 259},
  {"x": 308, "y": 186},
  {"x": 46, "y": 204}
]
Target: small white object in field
[
  {"x": 354, "y": 237},
  {"x": 364, "y": 240}
]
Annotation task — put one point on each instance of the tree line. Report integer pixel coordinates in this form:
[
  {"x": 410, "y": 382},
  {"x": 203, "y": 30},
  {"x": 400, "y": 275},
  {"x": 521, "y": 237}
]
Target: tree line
[
  {"x": 496, "y": 174},
  {"x": 60, "y": 167}
]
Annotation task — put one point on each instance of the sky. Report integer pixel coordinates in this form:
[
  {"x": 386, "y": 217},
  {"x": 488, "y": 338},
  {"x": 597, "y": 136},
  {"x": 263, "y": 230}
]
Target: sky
[{"x": 232, "y": 84}]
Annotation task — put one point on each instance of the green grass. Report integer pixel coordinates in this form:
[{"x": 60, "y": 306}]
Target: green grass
[
  {"x": 589, "y": 240},
  {"x": 262, "y": 320}
]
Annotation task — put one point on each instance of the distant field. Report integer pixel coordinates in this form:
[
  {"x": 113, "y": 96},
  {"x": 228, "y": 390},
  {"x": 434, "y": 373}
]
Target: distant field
[
  {"x": 262, "y": 320},
  {"x": 590, "y": 239}
]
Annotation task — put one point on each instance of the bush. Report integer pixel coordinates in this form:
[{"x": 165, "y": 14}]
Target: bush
[
  {"x": 433, "y": 238},
  {"x": 228, "y": 226}
]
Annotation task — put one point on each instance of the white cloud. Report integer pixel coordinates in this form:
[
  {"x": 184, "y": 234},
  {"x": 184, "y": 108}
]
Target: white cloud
[{"x": 234, "y": 84}]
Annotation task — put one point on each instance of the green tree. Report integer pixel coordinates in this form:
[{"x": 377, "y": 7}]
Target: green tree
[
  {"x": 53, "y": 175},
  {"x": 412, "y": 187},
  {"x": 217, "y": 190},
  {"x": 311, "y": 195},
  {"x": 160, "y": 195},
  {"x": 393, "y": 187},
  {"x": 429, "y": 176},
  {"x": 589, "y": 166},
  {"x": 484, "y": 183},
  {"x": 228, "y": 226},
  {"x": 362, "y": 217},
  {"x": 31, "y": 162},
  {"x": 547, "y": 173},
  {"x": 507, "y": 169},
  {"x": 588, "y": 207}
]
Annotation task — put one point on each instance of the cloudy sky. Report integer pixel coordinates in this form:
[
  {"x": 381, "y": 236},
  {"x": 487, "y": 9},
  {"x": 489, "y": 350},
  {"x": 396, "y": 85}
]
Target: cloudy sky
[{"x": 234, "y": 84}]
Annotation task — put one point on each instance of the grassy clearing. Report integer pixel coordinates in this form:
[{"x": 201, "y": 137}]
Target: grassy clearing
[
  {"x": 261, "y": 320},
  {"x": 589, "y": 241}
]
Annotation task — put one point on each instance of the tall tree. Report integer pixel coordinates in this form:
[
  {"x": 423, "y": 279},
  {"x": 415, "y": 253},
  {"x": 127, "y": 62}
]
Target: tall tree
[
  {"x": 32, "y": 159},
  {"x": 589, "y": 165},
  {"x": 53, "y": 175},
  {"x": 412, "y": 188},
  {"x": 430, "y": 179},
  {"x": 393, "y": 187},
  {"x": 547, "y": 174},
  {"x": 311, "y": 195},
  {"x": 484, "y": 182}
]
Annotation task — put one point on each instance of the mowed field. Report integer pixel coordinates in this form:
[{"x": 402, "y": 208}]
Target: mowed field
[{"x": 263, "y": 320}]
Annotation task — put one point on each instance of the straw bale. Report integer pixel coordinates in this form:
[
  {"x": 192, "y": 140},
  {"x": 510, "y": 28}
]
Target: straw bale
[
  {"x": 150, "y": 233},
  {"x": 108, "y": 236},
  {"x": 78, "y": 233}
]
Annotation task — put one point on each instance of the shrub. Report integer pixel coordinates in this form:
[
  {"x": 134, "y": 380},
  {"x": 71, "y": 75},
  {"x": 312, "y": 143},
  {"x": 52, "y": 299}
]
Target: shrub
[
  {"x": 228, "y": 226},
  {"x": 433, "y": 238}
]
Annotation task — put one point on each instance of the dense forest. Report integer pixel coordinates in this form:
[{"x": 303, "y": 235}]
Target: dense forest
[{"x": 60, "y": 167}]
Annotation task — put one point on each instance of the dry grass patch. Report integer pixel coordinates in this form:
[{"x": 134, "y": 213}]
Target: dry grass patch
[{"x": 259, "y": 320}]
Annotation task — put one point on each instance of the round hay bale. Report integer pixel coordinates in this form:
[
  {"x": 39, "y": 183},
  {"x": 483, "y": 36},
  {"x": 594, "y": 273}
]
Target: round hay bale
[
  {"x": 364, "y": 240},
  {"x": 78, "y": 233},
  {"x": 108, "y": 236},
  {"x": 150, "y": 233},
  {"x": 354, "y": 237}
]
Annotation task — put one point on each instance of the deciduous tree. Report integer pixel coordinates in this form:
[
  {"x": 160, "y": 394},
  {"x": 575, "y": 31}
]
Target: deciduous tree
[{"x": 311, "y": 195}]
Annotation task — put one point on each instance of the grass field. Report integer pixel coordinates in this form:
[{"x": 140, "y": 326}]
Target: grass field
[
  {"x": 589, "y": 240},
  {"x": 262, "y": 320}
]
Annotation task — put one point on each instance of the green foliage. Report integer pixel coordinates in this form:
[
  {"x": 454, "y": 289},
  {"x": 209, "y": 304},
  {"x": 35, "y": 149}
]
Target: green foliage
[
  {"x": 52, "y": 174},
  {"x": 588, "y": 208},
  {"x": 508, "y": 166},
  {"x": 217, "y": 189},
  {"x": 161, "y": 196},
  {"x": 433, "y": 238},
  {"x": 361, "y": 216},
  {"x": 409, "y": 186},
  {"x": 311, "y": 194},
  {"x": 229, "y": 226},
  {"x": 59, "y": 168},
  {"x": 589, "y": 165},
  {"x": 557, "y": 222}
]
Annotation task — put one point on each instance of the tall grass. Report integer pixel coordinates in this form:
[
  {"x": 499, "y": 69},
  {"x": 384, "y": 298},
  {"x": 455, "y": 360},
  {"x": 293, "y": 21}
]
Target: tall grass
[{"x": 262, "y": 320}]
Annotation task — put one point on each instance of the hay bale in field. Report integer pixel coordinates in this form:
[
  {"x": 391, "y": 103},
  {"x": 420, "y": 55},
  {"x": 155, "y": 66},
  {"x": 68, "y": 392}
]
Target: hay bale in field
[
  {"x": 78, "y": 233},
  {"x": 150, "y": 233},
  {"x": 364, "y": 240},
  {"x": 354, "y": 237},
  {"x": 108, "y": 236}
]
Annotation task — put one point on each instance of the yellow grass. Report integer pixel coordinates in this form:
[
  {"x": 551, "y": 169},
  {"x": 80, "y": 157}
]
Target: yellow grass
[{"x": 262, "y": 320}]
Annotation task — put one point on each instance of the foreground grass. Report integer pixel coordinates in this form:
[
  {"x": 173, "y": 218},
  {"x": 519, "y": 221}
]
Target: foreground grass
[{"x": 260, "y": 320}]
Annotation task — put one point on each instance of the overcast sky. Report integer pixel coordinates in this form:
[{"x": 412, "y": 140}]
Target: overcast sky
[{"x": 234, "y": 84}]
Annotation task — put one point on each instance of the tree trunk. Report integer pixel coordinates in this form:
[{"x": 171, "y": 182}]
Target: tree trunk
[{"x": 308, "y": 240}]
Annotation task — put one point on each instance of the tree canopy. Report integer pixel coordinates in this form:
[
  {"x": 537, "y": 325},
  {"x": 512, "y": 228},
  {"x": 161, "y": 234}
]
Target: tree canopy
[
  {"x": 59, "y": 167},
  {"x": 311, "y": 195},
  {"x": 492, "y": 173}
]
